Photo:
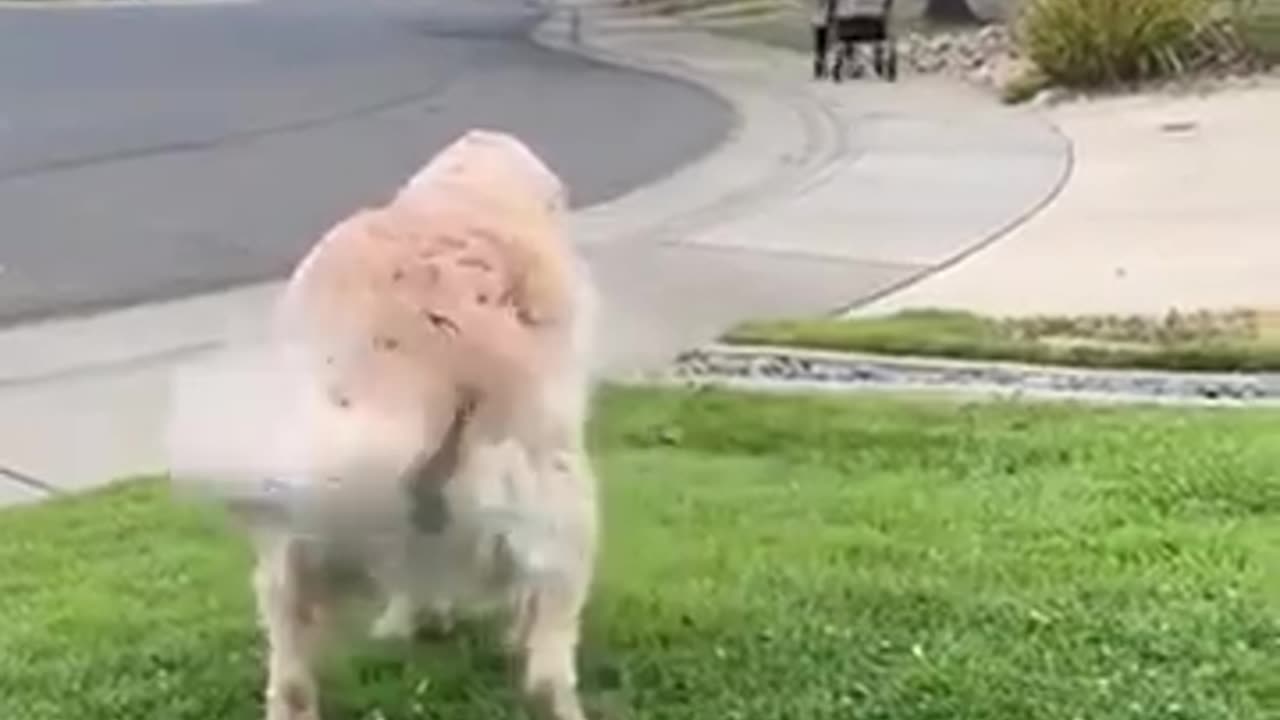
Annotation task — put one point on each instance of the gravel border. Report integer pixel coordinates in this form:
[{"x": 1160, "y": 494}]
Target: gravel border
[{"x": 777, "y": 368}]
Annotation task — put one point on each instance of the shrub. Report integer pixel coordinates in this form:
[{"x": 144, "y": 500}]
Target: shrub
[
  {"x": 1082, "y": 43},
  {"x": 1259, "y": 22}
]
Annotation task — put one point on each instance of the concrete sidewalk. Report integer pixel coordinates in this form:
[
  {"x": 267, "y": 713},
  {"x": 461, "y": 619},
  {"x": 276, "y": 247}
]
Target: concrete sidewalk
[
  {"x": 822, "y": 196},
  {"x": 1173, "y": 204}
]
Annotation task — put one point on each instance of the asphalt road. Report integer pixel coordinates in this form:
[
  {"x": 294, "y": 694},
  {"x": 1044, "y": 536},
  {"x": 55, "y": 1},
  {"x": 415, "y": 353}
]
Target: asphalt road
[{"x": 147, "y": 153}]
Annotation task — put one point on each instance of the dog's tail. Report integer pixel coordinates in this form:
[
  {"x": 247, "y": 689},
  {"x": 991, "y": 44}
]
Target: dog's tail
[{"x": 431, "y": 472}]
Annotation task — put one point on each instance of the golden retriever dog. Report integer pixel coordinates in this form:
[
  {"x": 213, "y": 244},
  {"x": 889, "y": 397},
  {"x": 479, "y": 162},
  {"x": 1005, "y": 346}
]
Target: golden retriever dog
[{"x": 418, "y": 420}]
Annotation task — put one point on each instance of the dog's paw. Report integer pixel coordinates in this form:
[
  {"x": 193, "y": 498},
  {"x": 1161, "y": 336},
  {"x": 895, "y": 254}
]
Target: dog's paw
[
  {"x": 292, "y": 701},
  {"x": 395, "y": 623},
  {"x": 439, "y": 626}
]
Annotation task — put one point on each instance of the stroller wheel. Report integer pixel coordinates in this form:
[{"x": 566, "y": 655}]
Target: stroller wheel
[
  {"x": 845, "y": 65},
  {"x": 887, "y": 62},
  {"x": 854, "y": 61}
]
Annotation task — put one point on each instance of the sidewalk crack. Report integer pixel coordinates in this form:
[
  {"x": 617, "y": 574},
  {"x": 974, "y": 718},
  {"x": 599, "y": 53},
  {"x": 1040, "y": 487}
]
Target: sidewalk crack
[{"x": 29, "y": 481}]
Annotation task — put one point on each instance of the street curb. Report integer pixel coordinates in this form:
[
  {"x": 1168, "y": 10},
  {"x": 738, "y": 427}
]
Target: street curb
[
  {"x": 66, "y": 5},
  {"x": 826, "y": 147},
  {"x": 30, "y": 483},
  {"x": 995, "y": 236},
  {"x": 688, "y": 72},
  {"x": 77, "y": 346}
]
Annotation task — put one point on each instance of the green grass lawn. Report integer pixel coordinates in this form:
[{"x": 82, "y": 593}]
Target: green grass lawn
[
  {"x": 1232, "y": 341},
  {"x": 767, "y": 557}
]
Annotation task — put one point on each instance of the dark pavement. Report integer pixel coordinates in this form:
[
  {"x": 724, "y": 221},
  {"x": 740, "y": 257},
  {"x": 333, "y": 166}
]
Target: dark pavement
[{"x": 153, "y": 152}]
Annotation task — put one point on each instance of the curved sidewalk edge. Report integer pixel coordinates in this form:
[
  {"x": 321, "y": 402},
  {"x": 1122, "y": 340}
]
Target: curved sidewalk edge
[
  {"x": 68, "y": 5},
  {"x": 891, "y": 183},
  {"x": 782, "y": 134},
  {"x": 964, "y": 253}
]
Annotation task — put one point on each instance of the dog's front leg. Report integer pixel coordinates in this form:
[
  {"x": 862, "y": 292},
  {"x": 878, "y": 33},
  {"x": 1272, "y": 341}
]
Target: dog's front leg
[
  {"x": 398, "y": 621},
  {"x": 402, "y": 617},
  {"x": 391, "y": 572},
  {"x": 292, "y": 615},
  {"x": 548, "y": 617},
  {"x": 550, "y": 649},
  {"x": 412, "y": 605}
]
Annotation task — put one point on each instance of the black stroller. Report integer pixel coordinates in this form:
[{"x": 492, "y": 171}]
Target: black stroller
[{"x": 852, "y": 24}]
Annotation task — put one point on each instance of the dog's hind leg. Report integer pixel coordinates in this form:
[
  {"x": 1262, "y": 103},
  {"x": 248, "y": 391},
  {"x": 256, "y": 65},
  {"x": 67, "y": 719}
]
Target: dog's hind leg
[
  {"x": 399, "y": 620},
  {"x": 292, "y": 613}
]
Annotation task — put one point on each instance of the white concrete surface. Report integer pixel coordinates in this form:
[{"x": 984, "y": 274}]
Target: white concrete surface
[{"x": 1174, "y": 203}]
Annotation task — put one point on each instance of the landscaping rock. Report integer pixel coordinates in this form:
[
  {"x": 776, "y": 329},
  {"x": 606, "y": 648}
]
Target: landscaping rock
[
  {"x": 836, "y": 371},
  {"x": 983, "y": 54},
  {"x": 987, "y": 56},
  {"x": 1051, "y": 96}
]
